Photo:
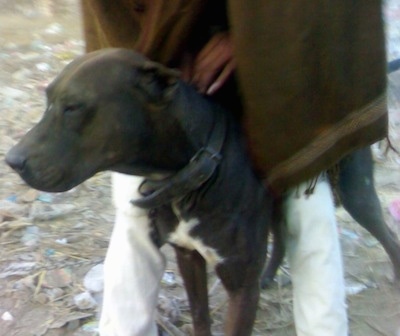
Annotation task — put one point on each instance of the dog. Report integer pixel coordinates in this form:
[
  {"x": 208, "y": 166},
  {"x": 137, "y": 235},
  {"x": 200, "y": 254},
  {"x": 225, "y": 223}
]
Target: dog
[{"x": 115, "y": 110}]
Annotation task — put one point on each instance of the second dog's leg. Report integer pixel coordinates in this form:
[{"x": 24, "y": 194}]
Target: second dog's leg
[
  {"x": 278, "y": 253},
  {"x": 359, "y": 198},
  {"x": 133, "y": 268},
  {"x": 278, "y": 247},
  {"x": 192, "y": 267}
]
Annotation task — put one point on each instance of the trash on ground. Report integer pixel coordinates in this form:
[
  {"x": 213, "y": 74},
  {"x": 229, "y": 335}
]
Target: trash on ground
[
  {"x": 7, "y": 316},
  {"x": 394, "y": 209}
]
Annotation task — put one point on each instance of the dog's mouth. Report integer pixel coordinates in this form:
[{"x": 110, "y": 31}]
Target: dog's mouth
[{"x": 49, "y": 179}]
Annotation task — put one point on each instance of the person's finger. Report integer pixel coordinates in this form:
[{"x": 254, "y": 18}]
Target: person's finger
[
  {"x": 222, "y": 78},
  {"x": 205, "y": 73},
  {"x": 214, "y": 59}
]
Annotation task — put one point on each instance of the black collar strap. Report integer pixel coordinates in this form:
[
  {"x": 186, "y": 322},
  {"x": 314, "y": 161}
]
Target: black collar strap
[{"x": 199, "y": 169}]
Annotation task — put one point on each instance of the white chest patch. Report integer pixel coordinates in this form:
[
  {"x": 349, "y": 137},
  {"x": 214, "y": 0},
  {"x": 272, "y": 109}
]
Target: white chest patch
[{"x": 181, "y": 237}]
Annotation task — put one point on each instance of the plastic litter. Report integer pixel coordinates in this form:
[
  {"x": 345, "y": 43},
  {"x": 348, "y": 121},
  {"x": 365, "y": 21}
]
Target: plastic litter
[
  {"x": 7, "y": 316},
  {"x": 394, "y": 209}
]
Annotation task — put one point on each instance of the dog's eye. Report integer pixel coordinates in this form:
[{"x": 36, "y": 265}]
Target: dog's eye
[{"x": 72, "y": 108}]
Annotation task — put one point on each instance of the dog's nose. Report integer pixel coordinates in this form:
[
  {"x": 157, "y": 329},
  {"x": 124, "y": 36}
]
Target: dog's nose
[{"x": 16, "y": 160}]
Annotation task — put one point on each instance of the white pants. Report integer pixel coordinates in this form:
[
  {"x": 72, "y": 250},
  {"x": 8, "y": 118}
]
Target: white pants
[
  {"x": 133, "y": 268},
  {"x": 313, "y": 251}
]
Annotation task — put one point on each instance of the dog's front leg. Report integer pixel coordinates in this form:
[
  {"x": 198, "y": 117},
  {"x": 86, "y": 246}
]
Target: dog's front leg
[
  {"x": 241, "y": 281},
  {"x": 133, "y": 268},
  {"x": 192, "y": 267}
]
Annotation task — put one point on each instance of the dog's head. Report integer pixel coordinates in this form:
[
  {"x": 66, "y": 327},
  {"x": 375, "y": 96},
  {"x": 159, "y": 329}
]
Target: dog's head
[{"x": 102, "y": 113}]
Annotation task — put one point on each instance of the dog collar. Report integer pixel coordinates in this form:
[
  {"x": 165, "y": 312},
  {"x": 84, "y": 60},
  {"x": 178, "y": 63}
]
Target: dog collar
[{"x": 199, "y": 170}]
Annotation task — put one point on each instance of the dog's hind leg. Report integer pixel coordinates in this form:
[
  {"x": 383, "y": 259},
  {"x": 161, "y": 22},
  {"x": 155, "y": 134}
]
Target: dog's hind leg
[
  {"x": 358, "y": 195},
  {"x": 278, "y": 246},
  {"x": 277, "y": 255},
  {"x": 192, "y": 267}
]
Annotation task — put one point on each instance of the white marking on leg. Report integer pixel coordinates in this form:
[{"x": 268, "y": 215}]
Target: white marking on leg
[
  {"x": 181, "y": 237},
  {"x": 133, "y": 268}
]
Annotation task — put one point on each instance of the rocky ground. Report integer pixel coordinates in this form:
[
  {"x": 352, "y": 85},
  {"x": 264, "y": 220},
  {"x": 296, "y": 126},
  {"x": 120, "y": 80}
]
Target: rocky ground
[{"x": 52, "y": 245}]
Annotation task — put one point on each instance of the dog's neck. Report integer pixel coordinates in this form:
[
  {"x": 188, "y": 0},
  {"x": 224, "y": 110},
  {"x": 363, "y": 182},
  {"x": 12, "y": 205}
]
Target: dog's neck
[
  {"x": 178, "y": 131},
  {"x": 200, "y": 169}
]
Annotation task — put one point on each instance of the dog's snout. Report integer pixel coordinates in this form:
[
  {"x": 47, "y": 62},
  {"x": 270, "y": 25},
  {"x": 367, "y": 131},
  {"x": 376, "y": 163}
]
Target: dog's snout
[{"x": 16, "y": 160}]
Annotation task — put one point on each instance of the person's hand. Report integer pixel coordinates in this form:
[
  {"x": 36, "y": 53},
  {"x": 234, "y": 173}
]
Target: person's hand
[{"x": 212, "y": 66}]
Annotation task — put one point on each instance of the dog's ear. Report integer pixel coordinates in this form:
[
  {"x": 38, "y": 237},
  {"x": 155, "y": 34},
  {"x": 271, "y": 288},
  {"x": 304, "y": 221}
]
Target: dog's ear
[{"x": 158, "y": 81}]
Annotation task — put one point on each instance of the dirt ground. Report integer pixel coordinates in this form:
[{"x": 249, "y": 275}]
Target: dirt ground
[{"x": 49, "y": 242}]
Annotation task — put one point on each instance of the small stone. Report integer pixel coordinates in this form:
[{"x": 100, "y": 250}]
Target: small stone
[
  {"x": 94, "y": 279},
  {"x": 169, "y": 279},
  {"x": 45, "y": 197},
  {"x": 98, "y": 298},
  {"x": 49, "y": 252},
  {"x": 31, "y": 236},
  {"x": 73, "y": 325},
  {"x": 354, "y": 288},
  {"x": 54, "y": 293},
  {"x": 85, "y": 301},
  {"x": 57, "y": 278},
  {"x": 169, "y": 308},
  {"x": 62, "y": 241},
  {"x": 43, "y": 66},
  {"x": 7, "y": 316},
  {"x": 91, "y": 327},
  {"x": 42, "y": 298},
  {"x": 54, "y": 29}
]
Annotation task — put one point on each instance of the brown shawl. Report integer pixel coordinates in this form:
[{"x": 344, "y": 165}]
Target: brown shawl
[{"x": 312, "y": 73}]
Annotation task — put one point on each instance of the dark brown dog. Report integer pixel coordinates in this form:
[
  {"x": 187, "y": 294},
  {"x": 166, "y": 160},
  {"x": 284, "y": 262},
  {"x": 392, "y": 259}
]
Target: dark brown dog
[{"x": 115, "y": 110}]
